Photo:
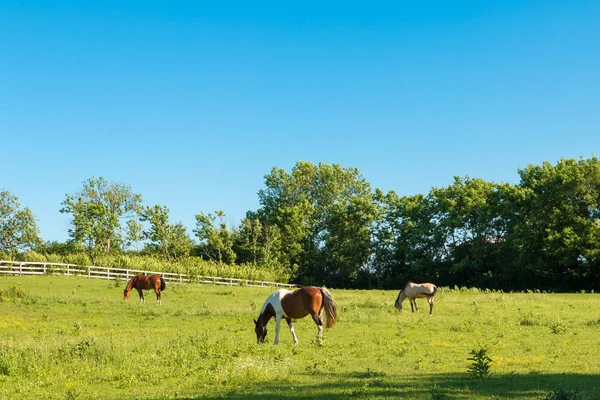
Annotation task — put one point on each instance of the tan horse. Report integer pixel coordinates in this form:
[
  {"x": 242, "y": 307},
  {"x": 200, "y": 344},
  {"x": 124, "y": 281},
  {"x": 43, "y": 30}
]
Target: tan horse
[
  {"x": 290, "y": 305},
  {"x": 142, "y": 282},
  {"x": 415, "y": 291}
]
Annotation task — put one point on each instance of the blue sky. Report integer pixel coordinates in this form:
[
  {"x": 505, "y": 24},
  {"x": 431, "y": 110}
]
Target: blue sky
[{"x": 191, "y": 103}]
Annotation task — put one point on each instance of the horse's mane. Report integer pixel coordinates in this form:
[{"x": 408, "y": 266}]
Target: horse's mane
[{"x": 131, "y": 283}]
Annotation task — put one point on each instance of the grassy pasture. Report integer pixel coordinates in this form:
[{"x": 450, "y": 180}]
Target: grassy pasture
[{"x": 74, "y": 338}]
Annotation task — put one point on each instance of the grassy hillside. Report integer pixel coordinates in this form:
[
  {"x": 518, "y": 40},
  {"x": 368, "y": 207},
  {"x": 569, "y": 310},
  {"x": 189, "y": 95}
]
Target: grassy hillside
[{"x": 73, "y": 338}]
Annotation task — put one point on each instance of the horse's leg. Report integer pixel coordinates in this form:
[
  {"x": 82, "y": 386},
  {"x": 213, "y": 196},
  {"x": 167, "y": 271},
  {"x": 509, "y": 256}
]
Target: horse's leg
[
  {"x": 141, "y": 295},
  {"x": 411, "y": 304},
  {"x": 430, "y": 305},
  {"x": 277, "y": 324},
  {"x": 157, "y": 291},
  {"x": 289, "y": 321},
  {"x": 317, "y": 318},
  {"x": 415, "y": 301}
]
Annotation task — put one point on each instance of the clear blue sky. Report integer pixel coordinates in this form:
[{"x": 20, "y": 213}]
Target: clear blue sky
[{"x": 191, "y": 103}]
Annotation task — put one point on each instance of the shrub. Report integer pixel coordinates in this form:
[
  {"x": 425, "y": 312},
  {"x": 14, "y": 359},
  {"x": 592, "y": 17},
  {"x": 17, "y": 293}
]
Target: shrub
[{"x": 481, "y": 365}]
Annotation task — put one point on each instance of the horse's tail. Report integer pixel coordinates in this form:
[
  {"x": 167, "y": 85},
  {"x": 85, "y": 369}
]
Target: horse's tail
[
  {"x": 434, "y": 291},
  {"x": 330, "y": 308},
  {"x": 163, "y": 284}
]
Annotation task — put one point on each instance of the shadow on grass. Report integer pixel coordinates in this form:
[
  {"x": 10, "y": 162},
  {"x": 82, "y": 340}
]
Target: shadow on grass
[{"x": 440, "y": 386}]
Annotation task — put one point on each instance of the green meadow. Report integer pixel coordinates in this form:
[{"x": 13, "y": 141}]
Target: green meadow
[{"x": 74, "y": 338}]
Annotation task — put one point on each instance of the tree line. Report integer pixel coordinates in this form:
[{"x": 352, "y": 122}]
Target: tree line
[{"x": 325, "y": 224}]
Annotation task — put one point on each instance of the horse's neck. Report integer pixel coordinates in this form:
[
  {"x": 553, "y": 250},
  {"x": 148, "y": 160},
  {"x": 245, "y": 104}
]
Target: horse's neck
[
  {"x": 265, "y": 316},
  {"x": 131, "y": 283}
]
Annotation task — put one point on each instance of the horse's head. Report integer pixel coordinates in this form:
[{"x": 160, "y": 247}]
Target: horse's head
[
  {"x": 399, "y": 300},
  {"x": 126, "y": 294},
  {"x": 261, "y": 332}
]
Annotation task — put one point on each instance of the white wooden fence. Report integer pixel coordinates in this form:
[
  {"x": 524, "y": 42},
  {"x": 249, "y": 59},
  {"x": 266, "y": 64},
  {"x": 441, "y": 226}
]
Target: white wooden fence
[{"x": 43, "y": 268}]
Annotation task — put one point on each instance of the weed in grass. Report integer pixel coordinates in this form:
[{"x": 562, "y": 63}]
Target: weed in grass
[
  {"x": 528, "y": 320},
  {"x": 14, "y": 292},
  {"x": 4, "y": 368},
  {"x": 476, "y": 308},
  {"x": 558, "y": 327},
  {"x": 481, "y": 364},
  {"x": 72, "y": 394}
]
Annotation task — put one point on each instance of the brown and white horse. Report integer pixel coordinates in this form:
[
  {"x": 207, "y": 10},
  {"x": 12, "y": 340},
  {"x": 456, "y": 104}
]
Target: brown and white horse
[
  {"x": 142, "y": 282},
  {"x": 293, "y": 305},
  {"x": 414, "y": 291}
]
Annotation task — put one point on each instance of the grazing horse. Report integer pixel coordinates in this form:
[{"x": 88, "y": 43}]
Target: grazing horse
[
  {"x": 296, "y": 304},
  {"x": 414, "y": 291},
  {"x": 140, "y": 282}
]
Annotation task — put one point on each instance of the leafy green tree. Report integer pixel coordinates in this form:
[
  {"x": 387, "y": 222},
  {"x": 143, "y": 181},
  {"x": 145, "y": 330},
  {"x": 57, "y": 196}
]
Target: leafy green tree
[
  {"x": 259, "y": 243},
  {"x": 407, "y": 243},
  {"x": 170, "y": 240},
  {"x": 473, "y": 228},
  {"x": 18, "y": 228},
  {"x": 60, "y": 248},
  {"x": 324, "y": 213},
  {"x": 97, "y": 211},
  {"x": 134, "y": 233},
  {"x": 558, "y": 230},
  {"x": 216, "y": 241}
]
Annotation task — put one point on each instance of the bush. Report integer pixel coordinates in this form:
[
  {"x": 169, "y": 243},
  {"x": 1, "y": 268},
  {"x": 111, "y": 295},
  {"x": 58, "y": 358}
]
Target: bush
[{"x": 481, "y": 365}]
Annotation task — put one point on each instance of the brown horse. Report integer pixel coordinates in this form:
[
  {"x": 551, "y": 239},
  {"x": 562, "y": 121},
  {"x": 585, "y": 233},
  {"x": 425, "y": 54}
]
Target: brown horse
[
  {"x": 140, "y": 282},
  {"x": 297, "y": 304},
  {"x": 415, "y": 291}
]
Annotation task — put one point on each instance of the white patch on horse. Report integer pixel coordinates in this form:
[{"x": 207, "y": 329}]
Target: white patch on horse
[{"x": 275, "y": 301}]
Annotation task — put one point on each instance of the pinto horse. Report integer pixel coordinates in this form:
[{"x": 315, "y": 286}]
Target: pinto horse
[
  {"x": 415, "y": 291},
  {"x": 296, "y": 304},
  {"x": 140, "y": 282}
]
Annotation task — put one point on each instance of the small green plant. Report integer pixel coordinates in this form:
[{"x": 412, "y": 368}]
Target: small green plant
[
  {"x": 4, "y": 368},
  {"x": 481, "y": 364},
  {"x": 528, "y": 320},
  {"x": 558, "y": 327},
  {"x": 476, "y": 308}
]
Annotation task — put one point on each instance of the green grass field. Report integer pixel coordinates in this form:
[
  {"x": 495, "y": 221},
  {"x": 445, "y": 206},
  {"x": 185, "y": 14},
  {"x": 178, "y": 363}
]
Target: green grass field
[{"x": 74, "y": 338}]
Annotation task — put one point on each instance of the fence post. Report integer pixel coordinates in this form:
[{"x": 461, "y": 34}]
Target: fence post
[
  {"x": 44, "y": 268},
  {"x": 107, "y": 273},
  {"x": 20, "y": 268}
]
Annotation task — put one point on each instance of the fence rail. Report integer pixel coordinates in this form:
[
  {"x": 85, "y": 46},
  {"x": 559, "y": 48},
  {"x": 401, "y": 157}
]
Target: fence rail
[{"x": 95, "y": 272}]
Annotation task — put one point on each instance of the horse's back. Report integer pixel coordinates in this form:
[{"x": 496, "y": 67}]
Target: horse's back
[
  {"x": 420, "y": 289},
  {"x": 303, "y": 301}
]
